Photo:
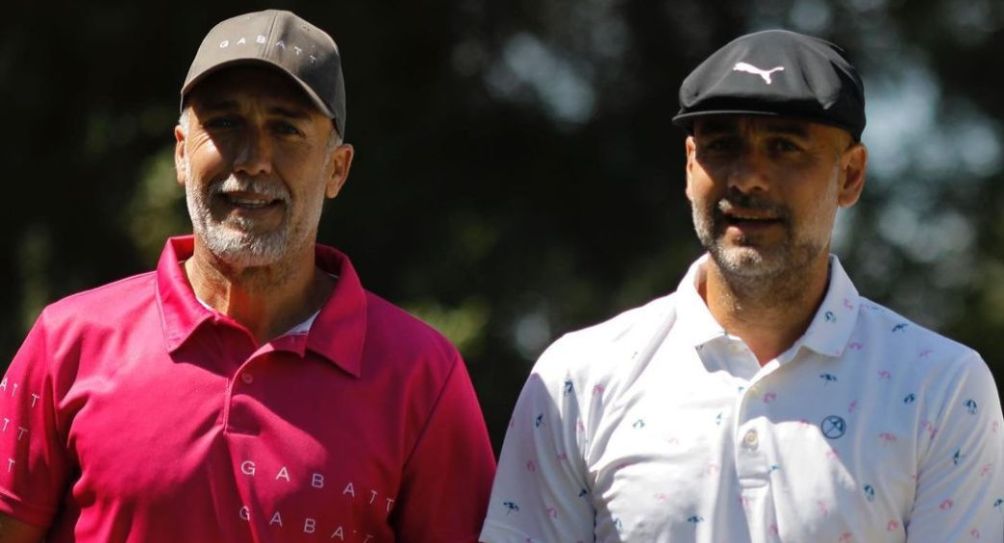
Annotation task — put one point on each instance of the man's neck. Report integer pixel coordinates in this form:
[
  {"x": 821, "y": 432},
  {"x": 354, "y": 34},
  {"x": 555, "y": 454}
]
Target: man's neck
[
  {"x": 768, "y": 314},
  {"x": 267, "y": 300}
]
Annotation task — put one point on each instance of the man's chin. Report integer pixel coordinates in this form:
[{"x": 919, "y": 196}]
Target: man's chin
[
  {"x": 244, "y": 249},
  {"x": 743, "y": 261}
]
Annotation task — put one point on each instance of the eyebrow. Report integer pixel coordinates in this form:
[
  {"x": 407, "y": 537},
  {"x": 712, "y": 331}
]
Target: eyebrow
[
  {"x": 218, "y": 105},
  {"x": 291, "y": 112}
]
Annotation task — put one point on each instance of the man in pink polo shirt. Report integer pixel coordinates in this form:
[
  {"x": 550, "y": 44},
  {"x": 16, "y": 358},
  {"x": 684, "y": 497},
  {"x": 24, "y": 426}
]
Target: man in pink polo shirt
[{"x": 249, "y": 389}]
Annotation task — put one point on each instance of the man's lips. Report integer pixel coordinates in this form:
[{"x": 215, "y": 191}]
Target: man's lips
[
  {"x": 751, "y": 219},
  {"x": 749, "y": 216},
  {"x": 249, "y": 200}
]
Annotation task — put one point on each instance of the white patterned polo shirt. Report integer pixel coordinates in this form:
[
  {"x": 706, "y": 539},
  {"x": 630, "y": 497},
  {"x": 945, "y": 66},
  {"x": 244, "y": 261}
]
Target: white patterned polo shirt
[{"x": 658, "y": 426}]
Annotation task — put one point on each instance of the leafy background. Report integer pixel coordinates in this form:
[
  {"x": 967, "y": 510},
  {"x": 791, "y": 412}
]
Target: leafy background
[{"x": 517, "y": 175}]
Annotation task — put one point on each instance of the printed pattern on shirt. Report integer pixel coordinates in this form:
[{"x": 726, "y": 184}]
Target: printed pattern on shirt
[{"x": 868, "y": 429}]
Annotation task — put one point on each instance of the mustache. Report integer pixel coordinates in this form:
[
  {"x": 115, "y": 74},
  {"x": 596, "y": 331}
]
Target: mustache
[
  {"x": 269, "y": 189},
  {"x": 736, "y": 199}
]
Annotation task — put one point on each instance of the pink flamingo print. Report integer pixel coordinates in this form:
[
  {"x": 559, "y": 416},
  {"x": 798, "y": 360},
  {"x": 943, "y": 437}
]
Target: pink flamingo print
[
  {"x": 946, "y": 505},
  {"x": 661, "y": 497},
  {"x": 823, "y": 508},
  {"x": 885, "y": 375},
  {"x": 552, "y": 512},
  {"x": 856, "y": 346},
  {"x": 892, "y": 526},
  {"x": 769, "y": 397},
  {"x": 848, "y": 304},
  {"x": 845, "y": 537},
  {"x": 974, "y": 533},
  {"x": 852, "y": 407},
  {"x": 598, "y": 390},
  {"x": 925, "y": 353},
  {"x": 985, "y": 470},
  {"x": 530, "y": 466},
  {"x": 887, "y": 437}
]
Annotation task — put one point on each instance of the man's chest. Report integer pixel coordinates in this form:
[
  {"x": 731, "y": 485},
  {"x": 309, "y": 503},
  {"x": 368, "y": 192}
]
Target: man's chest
[
  {"x": 282, "y": 447},
  {"x": 806, "y": 452}
]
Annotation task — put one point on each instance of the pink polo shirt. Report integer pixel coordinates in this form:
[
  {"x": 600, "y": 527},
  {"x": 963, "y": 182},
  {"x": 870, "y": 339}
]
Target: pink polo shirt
[{"x": 134, "y": 413}]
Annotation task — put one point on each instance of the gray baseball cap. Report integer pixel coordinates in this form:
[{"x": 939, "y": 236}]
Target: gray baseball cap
[
  {"x": 779, "y": 73},
  {"x": 282, "y": 40}
]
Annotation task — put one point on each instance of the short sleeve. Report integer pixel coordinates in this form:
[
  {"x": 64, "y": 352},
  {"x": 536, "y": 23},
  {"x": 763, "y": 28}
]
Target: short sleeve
[
  {"x": 445, "y": 484},
  {"x": 540, "y": 492},
  {"x": 960, "y": 480},
  {"x": 33, "y": 457}
]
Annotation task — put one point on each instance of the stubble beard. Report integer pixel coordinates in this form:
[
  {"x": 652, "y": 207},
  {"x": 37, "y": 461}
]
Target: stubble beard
[
  {"x": 755, "y": 271},
  {"x": 235, "y": 240}
]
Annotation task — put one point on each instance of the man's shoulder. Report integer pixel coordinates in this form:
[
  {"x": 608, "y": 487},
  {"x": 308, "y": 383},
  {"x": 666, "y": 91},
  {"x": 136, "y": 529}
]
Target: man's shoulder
[
  {"x": 884, "y": 329},
  {"x": 613, "y": 346},
  {"x": 392, "y": 328},
  {"x": 107, "y": 302}
]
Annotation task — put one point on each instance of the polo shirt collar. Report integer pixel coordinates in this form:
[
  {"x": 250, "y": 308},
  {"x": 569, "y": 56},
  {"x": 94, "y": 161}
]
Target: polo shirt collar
[
  {"x": 338, "y": 331},
  {"x": 180, "y": 311},
  {"x": 694, "y": 321},
  {"x": 829, "y": 332}
]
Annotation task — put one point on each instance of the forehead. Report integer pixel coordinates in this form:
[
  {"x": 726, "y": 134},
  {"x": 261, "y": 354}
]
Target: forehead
[
  {"x": 712, "y": 125},
  {"x": 242, "y": 86},
  {"x": 730, "y": 124}
]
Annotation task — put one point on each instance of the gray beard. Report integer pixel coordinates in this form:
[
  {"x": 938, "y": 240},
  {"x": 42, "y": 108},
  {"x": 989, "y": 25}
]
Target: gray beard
[{"x": 234, "y": 240}]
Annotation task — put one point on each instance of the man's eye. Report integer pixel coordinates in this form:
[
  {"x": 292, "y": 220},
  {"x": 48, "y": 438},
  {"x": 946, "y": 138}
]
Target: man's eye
[
  {"x": 286, "y": 128},
  {"x": 221, "y": 123},
  {"x": 721, "y": 145},
  {"x": 783, "y": 146}
]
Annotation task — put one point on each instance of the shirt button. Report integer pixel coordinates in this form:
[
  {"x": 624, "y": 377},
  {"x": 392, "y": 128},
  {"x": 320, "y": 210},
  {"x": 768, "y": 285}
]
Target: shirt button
[
  {"x": 247, "y": 378},
  {"x": 751, "y": 440}
]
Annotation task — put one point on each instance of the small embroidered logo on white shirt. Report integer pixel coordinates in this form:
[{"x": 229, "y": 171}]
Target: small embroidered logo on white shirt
[{"x": 751, "y": 69}]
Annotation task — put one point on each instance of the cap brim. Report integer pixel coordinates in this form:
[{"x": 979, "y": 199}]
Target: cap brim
[{"x": 686, "y": 120}]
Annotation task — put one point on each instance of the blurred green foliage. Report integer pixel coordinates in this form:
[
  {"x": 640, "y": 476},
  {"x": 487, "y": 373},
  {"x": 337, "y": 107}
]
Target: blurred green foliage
[{"x": 516, "y": 175}]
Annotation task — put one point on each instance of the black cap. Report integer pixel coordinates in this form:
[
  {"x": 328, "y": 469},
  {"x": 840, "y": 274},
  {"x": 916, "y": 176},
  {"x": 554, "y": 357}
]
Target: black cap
[
  {"x": 776, "y": 72},
  {"x": 280, "y": 40}
]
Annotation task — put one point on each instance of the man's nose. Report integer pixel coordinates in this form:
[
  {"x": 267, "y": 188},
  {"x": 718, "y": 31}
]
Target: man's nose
[
  {"x": 748, "y": 171},
  {"x": 254, "y": 153}
]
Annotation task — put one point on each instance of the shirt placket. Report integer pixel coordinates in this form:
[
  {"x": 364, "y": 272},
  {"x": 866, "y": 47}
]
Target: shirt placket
[
  {"x": 750, "y": 447},
  {"x": 243, "y": 387}
]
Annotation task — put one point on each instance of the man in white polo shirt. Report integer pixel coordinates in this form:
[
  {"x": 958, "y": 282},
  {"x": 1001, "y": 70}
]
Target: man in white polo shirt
[{"x": 765, "y": 400}]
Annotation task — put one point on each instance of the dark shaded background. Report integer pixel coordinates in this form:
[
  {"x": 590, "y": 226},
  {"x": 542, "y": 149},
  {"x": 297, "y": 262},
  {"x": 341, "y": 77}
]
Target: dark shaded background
[{"x": 516, "y": 173}]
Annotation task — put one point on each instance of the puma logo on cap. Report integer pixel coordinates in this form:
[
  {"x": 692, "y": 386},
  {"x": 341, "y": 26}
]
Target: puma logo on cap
[{"x": 751, "y": 69}]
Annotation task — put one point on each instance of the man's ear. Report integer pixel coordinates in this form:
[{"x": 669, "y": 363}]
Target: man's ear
[
  {"x": 179, "y": 154},
  {"x": 853, "y": 164},
  {"x": 340, "y": 163},
  {"x": 690, "y": 146}
]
